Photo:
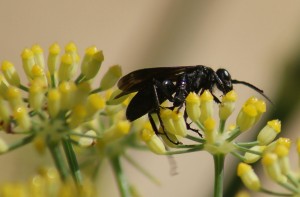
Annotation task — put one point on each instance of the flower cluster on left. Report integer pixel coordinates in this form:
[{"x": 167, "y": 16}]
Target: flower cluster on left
[{"x": 57, "y": 108}]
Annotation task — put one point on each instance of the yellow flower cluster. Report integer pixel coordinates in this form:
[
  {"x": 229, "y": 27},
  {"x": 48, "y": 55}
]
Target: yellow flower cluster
[
  {"x": 277, "y": 166},
  {"x": 46, "y": 183},
  {"x": 54, "y": 100}
]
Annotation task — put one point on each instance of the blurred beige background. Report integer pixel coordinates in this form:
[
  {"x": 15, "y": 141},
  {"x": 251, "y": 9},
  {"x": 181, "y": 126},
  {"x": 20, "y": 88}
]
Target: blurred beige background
[{"x": 250, "y": 38}]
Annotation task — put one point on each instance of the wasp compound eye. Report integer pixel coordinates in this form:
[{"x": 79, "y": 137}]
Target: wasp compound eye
[{"x": 225, "y": 78}]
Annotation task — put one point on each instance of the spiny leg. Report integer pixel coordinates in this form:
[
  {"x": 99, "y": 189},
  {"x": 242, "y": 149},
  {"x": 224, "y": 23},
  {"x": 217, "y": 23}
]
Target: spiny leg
[{"x": 157, "y": 111}]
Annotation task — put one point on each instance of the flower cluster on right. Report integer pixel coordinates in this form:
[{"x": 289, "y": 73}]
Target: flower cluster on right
[
  {"x": 220, "y": 139},
  {"x": 277, "y": 166}
]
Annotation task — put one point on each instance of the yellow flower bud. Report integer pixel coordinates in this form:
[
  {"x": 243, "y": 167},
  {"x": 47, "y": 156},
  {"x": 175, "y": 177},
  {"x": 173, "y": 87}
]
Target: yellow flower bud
[
  {"x": 38, "y": 55},
  {"x": 228, "y": 104},
  {"x": 116, "y": 131},
  {"x": 166, "y": 117},
  {"x": 4, "y": 110},
  {"x": 269, "y": 132},
  {"x": 179, "y": 124},
  {"x": 283, "y": 158},
  {"x": 246, "y": 117},
  {"x": 206, "y": 106},
  {"x": 28, "y": 61},
  {"x": 210, "y": 131},
  {"x": 65, "y": 71},
  {"x": 78, "y": 115},
  {"x": 3, "y": 86},
  {"x": 10, "y": 73},
  {"x": 91, "y": 63},
  {"x": 67, "y": 91},
  {"x": 54, "y": 98},
  {"x": 3, "y": 146},
  {"x": 248, "y": 176},
  {"x": 251, "y": 157},
  {"x": 154, "y": 143},
  {"x": 111, "y": 77},
  {"x": 36, "y": 94},
  {"x": 88, "y": 141},
  {"x": 272, "y": 168},
  {"x": 14, "y": 97},
  {"x": 192, "y": 106},
  {"x": 94, "y": 103},
  {"x": 53, "y": 58},
  {"x": 22, "y": 118}
]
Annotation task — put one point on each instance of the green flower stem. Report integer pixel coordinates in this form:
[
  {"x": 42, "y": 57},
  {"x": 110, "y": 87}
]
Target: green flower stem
[
  {"x": 21, "y": 142},
  {"x": 247, "y": 150},
  {"x": 237, "y": 155},
  {"x": 141, "y": 169},
  {"x": 247, "y": 144},
  {"x": 274, "y": 193},
  {"x": 222, "y": 126},
  {"x": 196, "y": 139},
  {"x": 293, "y": 180},
  {"x": 289, "y": 187},
  {"x": 236, "y": 132},
  {"x": 72, "y": 161},
  {"x": 79, "y": 79},
  {"x": 53, "y": 83},
  {"x": 219, "y": 174},
  {"x": 58, "y": 160},
  {"x": 199, "y": 148},
  {"x": 84, "y": 135},
  {"x": 96, "y": 91},
  {"x": 22, "y": 87},
  {"x": 121, "y": 179}
]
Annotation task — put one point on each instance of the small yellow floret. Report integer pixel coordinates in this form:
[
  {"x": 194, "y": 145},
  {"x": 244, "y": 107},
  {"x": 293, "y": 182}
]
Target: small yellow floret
[
  {"x": 243, "y": 169},
  {"x": 210, "y": 124},
  {"x": 27, "y": 54},
  {"x": 206, "y": 96},
  {"x": 230, "y": 97},
  {"x": 36, "y": 49},
  {"x": 54, "y": 49},
  {"x": 192, "y": 98},
  {"x": 275, "y": 124},
  {"x": 91, "y": 50},
  {"x": 269, "y": 159},
  {"x": 6, "y": 65},
  {"x": 281, "y": 150}
]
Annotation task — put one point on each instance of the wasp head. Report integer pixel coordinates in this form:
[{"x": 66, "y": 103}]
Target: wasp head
[{"x": 225, "y": 84}]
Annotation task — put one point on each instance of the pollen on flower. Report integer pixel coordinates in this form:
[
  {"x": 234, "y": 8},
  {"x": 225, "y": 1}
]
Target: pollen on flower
[{"x": 276, "y": 125}]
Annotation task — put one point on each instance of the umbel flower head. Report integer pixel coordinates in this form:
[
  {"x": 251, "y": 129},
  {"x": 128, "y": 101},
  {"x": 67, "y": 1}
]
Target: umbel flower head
[
  {"x": 57, "y": 108},
  {"x": 278, "y": 167},
  {"x": 217, "y": 139}
]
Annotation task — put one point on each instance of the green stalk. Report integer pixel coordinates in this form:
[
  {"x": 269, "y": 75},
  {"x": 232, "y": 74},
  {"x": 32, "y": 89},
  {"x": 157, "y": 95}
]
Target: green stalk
[
  {"x": 21, "y": 142},
  {"x": 219, "y": 174},
  {"x": 121, "y": 179},
  {"x": 72, "y": 161},
  {"x": 58, "y": 160}
]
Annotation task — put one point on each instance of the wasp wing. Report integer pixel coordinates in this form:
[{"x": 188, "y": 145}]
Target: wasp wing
[
  {"x": 140, "y": 79},
  {"x": 142, "y": 103}
]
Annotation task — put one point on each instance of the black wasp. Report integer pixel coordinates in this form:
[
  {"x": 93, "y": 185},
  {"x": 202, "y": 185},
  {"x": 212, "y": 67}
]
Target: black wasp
[{"x": 156, "y": 85}]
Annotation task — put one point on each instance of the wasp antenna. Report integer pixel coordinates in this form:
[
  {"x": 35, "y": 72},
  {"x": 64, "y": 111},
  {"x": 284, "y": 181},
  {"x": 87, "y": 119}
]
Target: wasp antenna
[{"x": 234, "y": 81}]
